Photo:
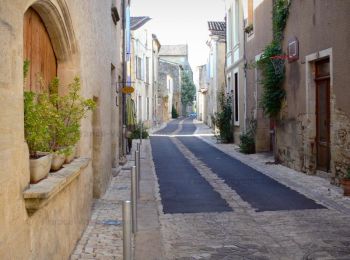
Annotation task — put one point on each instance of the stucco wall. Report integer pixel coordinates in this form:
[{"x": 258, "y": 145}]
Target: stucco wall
[
  {"x": 255, "y": 45},
  {"x": 142, "y": 47},
  {"x": 319, "y": 25},
  {"x": 88, "y": 51}
]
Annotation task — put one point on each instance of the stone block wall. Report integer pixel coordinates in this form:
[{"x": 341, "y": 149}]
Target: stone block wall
[{"x": 86, "y": 43}]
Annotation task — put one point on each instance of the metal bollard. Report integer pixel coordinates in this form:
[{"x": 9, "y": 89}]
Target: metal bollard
[
  {"x": 125, "y": 143},
  {"x": 127, "y": 251},
  {"x": 141, "y": 133},
  {"x": 139, "y": 169},
  {"x": 137, "y": 165},
  {"x": 134, "y": 198},
  {"x": 138, "y": 146}
]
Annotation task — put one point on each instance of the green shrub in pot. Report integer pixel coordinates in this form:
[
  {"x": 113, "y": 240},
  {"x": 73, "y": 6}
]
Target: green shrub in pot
[
  {"x": 67, "y": 111},
  {"x": 36, "y": 132}
]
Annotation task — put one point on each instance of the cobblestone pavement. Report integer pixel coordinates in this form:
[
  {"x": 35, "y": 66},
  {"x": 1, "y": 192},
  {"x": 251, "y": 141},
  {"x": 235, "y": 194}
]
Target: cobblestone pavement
[
  {"x": 246, "y": 234},
  {"x": 102, "y": 238},
  {"x": 241, "y": 234}
]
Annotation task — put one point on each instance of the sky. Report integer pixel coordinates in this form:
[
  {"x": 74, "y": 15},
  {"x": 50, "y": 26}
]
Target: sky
[{"x": 181, "y": 22}]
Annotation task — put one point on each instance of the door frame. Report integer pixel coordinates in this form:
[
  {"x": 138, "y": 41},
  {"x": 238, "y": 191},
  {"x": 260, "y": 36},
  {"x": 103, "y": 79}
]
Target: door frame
[
  {"x": 318, "y": 79},
  {"x": 310, "y": 146}
]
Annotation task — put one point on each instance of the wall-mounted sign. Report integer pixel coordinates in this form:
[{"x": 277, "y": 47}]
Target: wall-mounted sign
[
  {"x": 293, "y": 49},
  {"x": 127, "y": 90}
]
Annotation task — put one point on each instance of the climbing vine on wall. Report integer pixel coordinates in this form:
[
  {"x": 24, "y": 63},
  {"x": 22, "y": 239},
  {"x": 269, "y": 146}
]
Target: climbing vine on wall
[{"x": 273, "y": 92}]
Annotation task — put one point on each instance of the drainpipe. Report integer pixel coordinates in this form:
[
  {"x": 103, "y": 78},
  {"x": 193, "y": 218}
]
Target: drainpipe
[
  {"x": 124, "y": 63},
  {"x": 245, "y": 80}
]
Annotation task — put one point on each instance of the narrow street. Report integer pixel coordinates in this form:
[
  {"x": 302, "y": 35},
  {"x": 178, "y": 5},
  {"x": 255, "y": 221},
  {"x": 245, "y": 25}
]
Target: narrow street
[{"x": 215, "y": 206}]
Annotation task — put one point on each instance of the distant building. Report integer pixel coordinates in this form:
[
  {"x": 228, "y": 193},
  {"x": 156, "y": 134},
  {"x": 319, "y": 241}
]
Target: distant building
[
  {"x": 142, "y": 69},
  {"x": 311, "y": 131},
  {"x": 155, "y": 69},
  {"x": 176, "y": 54},
  {"x": 215, "y": 68},
  {"x": 235, "y": 64},
  {"x": 176, "y": 58},
  {"x": 169, "y": 89},
  {"x": 202, "y": 94}
]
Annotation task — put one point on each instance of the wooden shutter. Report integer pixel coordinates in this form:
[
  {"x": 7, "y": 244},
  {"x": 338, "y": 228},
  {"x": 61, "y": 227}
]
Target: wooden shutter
[{"x": 39, "y": 51}]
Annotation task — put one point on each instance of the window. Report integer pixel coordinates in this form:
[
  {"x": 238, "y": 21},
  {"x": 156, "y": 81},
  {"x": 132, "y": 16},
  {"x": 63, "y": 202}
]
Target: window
[
  {"x": 169, "y": 83},
  {"x": 236, "y": 115},
  {"x": 147, "y": 108},
  {"x": 228, "y": 87},
  {"x": 143, "y": 68},
  {"x": 211, "y": 64},
  {"x": 236, "y": 24},
  {"x": 138, "y": 68},
  {"x": 229, "y": 30},
  {"x": 147, "y": 70},
  {"x": 140, "y": 109}
]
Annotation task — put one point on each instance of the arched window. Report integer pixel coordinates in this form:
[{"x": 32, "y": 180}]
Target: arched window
[{"x": 39, "y": 51}]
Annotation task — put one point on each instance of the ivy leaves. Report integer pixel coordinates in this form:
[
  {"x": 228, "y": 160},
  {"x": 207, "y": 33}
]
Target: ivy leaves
[{"x": 273, "y": 92}]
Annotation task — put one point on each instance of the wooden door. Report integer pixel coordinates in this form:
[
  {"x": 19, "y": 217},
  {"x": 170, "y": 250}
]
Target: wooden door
[
  {"x": 323, "y": 115},
  {"x": 39, "y": 51}
]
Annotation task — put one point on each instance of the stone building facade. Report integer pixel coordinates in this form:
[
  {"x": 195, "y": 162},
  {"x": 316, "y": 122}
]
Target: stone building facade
[
  {"x": 45, "y": 220},
  {"x": 142, "y": 69},
  {"x": 216, "y": 68},
  {"x": 156, "y": 45},
  {"x": 312, "y": 129},
  {"x": 177, "y": 55},
  {"x": 169, "y": 89},
  {"x": 255, "y": 42},
  {"x": 202, "y": 94},
  {"x": 235, "y": 65},
  {"x": 320, "y": 27}
]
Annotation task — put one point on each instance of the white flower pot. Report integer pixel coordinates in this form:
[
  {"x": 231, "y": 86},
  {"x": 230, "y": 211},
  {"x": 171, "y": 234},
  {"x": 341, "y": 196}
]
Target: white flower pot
[
  {"x": 57, "y": 161},
  {"x": 40, "y": 168}
]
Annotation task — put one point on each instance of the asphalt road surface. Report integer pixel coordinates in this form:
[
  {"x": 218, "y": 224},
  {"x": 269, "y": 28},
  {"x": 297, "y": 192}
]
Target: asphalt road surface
[{"x": 184, "y": 190}]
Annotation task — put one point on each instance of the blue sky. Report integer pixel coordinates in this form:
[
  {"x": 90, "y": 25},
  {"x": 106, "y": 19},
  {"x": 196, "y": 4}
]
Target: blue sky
[{"x": 182, "y": 21}]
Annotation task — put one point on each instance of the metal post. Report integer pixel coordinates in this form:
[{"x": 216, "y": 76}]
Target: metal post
[
  {"x": 127, "y": 251},
  {"x": 139, "y": 170},
  {"x": 124, "y": 140},
  {"x": 141, "y": 133},
  {"x": 137, "y": 165},
  {"x": 134, "y": 198}
]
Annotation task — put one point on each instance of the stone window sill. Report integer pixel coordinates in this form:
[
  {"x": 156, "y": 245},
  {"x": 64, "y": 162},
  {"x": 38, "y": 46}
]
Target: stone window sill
[{"x": 38, "y": 195}]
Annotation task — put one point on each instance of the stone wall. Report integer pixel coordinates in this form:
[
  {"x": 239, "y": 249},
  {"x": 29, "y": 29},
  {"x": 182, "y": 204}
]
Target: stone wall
[
  {"x": 320, "y": 28},
  {"x": 85, "y": 43},
  {"x": 173, "y": 70}
]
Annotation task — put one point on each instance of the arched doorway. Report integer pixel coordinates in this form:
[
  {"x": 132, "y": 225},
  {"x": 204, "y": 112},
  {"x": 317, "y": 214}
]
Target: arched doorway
[{"x": 38, "y": 50}]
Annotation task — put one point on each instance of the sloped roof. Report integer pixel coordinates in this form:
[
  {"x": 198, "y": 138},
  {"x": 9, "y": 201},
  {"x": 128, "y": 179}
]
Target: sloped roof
[
  {"x": 217, "y": 28},
  {"x": 137, "y": 21},
  {"x": 174, "y": 50}
]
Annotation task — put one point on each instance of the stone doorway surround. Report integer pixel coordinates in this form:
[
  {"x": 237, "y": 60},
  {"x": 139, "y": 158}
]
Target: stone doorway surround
[{"x": 310, "y": 151}]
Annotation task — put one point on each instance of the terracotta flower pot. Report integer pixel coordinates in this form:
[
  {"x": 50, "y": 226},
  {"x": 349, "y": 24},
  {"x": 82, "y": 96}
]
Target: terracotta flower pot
[
  {"x": 57, "y": 161},
  {"x": 70, "y": 158},
  {"x": 346, "y": 186},
  {"x": 40, "y": 168}
]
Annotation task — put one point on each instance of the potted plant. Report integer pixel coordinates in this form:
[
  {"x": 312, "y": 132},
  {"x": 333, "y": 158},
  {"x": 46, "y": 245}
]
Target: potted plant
[
  {"x": 36, "y": 131},
  {"x": 346, "y": 183},
  {"x": 67, "y": 112}
]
